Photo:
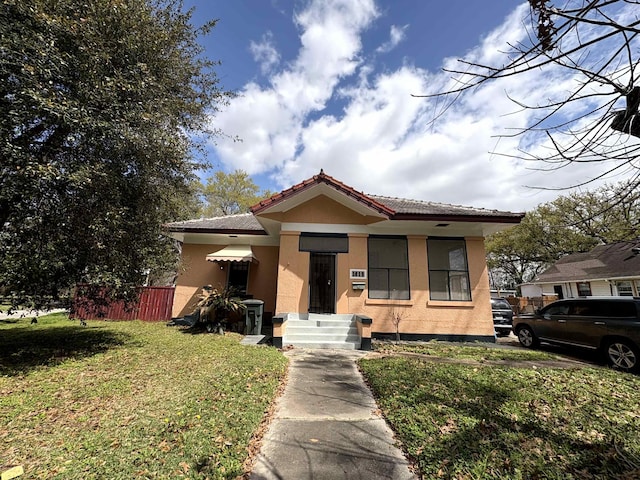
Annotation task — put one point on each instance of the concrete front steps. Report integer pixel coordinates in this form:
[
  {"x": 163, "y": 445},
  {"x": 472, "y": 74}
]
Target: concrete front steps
[{"x": 315, "y": 330}]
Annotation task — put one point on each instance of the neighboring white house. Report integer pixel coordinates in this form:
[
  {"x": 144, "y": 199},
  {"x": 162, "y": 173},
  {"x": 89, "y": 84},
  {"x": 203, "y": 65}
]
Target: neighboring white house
[{"x": 607, "y": 270}]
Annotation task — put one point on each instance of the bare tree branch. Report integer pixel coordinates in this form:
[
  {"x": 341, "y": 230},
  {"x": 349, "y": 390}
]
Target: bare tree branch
[{"x": 591, "y": 44}]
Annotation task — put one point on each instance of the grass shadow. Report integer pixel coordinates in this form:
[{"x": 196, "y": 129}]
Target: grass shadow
[
  {"x": 475, "y": 426},
  {"x": 25, "y": 348}
]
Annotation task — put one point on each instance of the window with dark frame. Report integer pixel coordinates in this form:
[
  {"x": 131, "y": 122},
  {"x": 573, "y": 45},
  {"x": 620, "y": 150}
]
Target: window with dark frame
[
  {"x": 584, "y": 289},
  {"x": 624, "y": 288},
  {"x": 448, "y": 269},
  {"x": 388, "y": 267},
  {"x": 238, "y": 276}
]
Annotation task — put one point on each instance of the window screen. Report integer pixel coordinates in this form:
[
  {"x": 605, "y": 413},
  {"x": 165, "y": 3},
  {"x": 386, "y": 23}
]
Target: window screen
[
  {"x": 324, "y": 243},
  {"x": 388, "y": 268},
  {"x": 448, "y": 270}
]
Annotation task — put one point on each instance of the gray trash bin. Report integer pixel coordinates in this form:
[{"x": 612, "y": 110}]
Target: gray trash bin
[{"x": 253, "y": 316}]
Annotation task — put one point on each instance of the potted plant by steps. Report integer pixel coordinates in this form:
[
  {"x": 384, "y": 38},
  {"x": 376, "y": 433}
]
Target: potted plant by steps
[{"x": 215, "y": 307}]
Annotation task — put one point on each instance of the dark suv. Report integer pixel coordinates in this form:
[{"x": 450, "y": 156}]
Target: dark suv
[
  {"x": 502, "y": 316},
  {"x": 610, "y": 324}
]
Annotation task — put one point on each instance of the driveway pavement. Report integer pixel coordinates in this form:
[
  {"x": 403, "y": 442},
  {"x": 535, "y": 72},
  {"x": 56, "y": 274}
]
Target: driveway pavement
[{"x": 326, "y": 425}]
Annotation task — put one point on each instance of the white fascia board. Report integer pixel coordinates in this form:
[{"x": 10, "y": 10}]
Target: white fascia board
[
  {"x": 608, "y": 279},
  {"x": 230, "y": 239},
  {"x": 400, "y": 227}
]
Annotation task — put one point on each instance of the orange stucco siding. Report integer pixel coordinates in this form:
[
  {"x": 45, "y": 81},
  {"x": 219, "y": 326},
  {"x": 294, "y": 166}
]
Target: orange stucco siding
[
  {"x": 196, "y": 272},
  {"x": 281, "y": 280},
  {"x": 419, "y": 315},
  {"x": 322, "y": 209},
  {"x": 293, "y": 275},
  {"x": 263, "y": 276}
]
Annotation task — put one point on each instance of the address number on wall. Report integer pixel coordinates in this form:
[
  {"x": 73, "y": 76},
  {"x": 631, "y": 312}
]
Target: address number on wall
[{"x": 357, "y": 274}]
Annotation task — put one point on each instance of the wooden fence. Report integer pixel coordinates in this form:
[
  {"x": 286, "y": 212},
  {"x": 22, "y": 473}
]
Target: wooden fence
[
  {"x": 154, "y": 304},
  {"x": 522, "y": 305}
]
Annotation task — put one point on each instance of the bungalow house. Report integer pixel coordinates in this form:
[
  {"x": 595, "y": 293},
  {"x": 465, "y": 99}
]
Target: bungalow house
[
  {"x": 337, "y": 267},
  {"x": 607, "y": 270}
]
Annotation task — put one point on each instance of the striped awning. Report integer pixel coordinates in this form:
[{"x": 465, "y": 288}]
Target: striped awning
[{"x": 233, "y": 253}]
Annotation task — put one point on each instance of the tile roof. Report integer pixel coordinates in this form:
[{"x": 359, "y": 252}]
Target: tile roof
[
  {"x": 394, "y": 208},
  {"x": 405, "y": 207},
  {"x": 615, "y": 260},
  {"x": 315, "y": 180},
  {"x": 241, "y": 223}
]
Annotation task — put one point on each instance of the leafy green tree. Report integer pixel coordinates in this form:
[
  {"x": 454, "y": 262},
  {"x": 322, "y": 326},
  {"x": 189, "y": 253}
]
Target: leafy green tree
[
  {"x": 609, "y": 214},
  {"x": 231, "y": 193},
  {"x": 570, "y": 224},
  {"x": 100, "y": 103}
]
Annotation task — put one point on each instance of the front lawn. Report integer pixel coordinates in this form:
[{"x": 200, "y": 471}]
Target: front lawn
[
  {"x": 479, "y": 352},
  {"x": 495, "y": 422},
  {"x": 123, "y": 400}
]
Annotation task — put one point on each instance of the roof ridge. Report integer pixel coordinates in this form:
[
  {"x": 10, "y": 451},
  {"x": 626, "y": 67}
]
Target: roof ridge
[{"x": 332, "y": 182}]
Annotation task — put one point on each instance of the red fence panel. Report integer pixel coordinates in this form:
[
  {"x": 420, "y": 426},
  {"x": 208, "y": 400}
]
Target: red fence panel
[{"x": 154, "y": 304}]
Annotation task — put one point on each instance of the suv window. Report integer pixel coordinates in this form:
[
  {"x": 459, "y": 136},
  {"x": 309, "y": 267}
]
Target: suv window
[
  {"x": 588, "y": 308},
  {"x": 621, "y": 309},
  {"x": 559, "y": 309},
  {"x": 500, "y": 304}
]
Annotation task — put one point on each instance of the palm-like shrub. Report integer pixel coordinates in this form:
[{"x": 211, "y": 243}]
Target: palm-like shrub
[{"x": 216, "y": 305}]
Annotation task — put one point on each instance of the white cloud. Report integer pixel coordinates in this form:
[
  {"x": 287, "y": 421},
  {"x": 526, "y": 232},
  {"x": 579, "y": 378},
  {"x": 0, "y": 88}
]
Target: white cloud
[
  {"x": 383, "y": 141},
  {"x": 265, "y": 53},
  {"x": 269, "y": 120},
  {"x": 396, "y": 35}
]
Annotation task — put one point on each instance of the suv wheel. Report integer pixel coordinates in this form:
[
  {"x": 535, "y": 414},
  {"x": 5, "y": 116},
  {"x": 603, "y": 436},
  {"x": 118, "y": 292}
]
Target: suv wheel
[
  {"x": 622, "y": 354},
  {"x": 526, "y": 337}
]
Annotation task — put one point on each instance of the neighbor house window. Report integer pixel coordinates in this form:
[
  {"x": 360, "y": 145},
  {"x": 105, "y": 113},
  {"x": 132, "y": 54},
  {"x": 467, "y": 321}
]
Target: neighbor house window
[
  {"x": 388, "y": 268},
  {"x": 584, "y": 289},
  {"x": 448, "y": 269},
  {"x": 625, "y": 289}
]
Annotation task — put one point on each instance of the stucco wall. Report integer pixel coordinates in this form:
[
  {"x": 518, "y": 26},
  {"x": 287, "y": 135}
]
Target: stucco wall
[
  {"x": 197, "y": 272},
  {"x": 293, "y": 274},
  {"x": 322, "y": 209},
  {"x": 419, "y": 315},
  {"x": 281, "y": 277}
]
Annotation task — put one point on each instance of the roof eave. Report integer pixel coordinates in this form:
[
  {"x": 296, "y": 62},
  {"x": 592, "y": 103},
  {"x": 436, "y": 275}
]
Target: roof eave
[
  {"x": 223, "y": 231},
  {"x": 459, "y": 218}
]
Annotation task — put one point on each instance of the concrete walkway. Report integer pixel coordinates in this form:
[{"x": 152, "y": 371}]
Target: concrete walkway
[{"x": 325, "y": 425}]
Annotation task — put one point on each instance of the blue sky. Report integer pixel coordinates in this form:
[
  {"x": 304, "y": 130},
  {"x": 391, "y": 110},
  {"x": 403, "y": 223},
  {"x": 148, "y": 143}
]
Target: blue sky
[{"x": 328, "y": 83}]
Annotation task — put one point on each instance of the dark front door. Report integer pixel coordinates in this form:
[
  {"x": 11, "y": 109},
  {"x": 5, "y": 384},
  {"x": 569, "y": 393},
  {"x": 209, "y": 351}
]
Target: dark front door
[{"x": 322, "y": 288}]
